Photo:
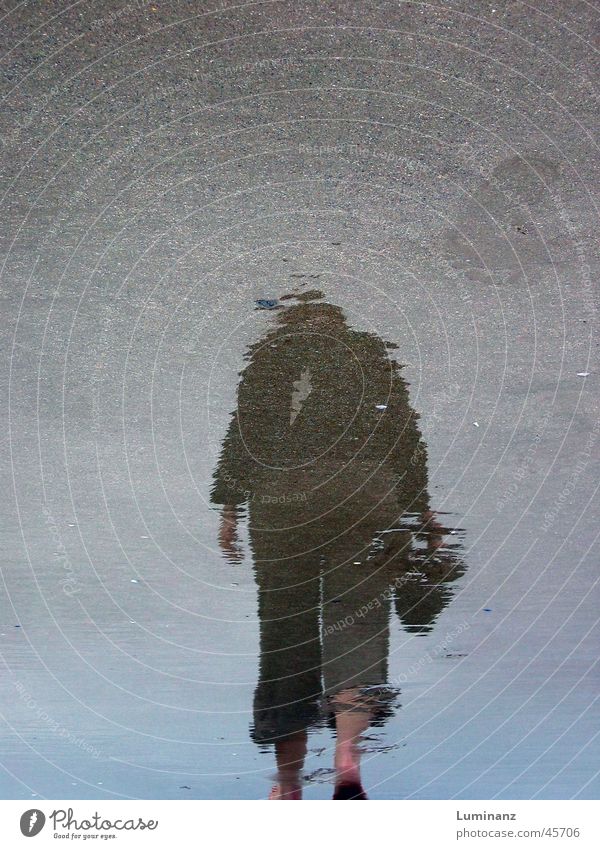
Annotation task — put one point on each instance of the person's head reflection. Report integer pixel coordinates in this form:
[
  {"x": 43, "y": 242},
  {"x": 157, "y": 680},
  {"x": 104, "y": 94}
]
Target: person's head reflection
[{"x": 325, "y": 450}]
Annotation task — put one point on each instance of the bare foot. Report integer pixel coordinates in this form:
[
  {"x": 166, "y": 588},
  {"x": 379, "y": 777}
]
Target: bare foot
[{"x": 290, "y": 792}]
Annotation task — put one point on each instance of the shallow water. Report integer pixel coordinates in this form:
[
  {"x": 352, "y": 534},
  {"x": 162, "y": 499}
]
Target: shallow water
[
  {"x": 371, "y": 506},
  {"x": 166, "y": 641}
]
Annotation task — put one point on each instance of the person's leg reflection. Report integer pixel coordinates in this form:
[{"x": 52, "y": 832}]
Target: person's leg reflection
[
  {"x": 352, "y": 718},
  {"x": 289, "y": 753}
]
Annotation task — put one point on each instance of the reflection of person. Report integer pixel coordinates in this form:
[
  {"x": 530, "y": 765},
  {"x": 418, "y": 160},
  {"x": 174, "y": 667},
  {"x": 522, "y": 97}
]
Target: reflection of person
[{"x": 325, "y": 450}]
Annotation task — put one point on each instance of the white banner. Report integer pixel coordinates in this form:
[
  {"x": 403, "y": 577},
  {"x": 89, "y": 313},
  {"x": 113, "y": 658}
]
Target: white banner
[{"x": 184, "y": 824}]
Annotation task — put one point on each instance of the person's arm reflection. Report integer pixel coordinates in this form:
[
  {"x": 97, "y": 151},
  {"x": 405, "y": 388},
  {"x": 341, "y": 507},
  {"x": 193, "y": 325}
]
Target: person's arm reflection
[
  {"x": 228, "y": 538},
  {"x": 230, "y": 489}
]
